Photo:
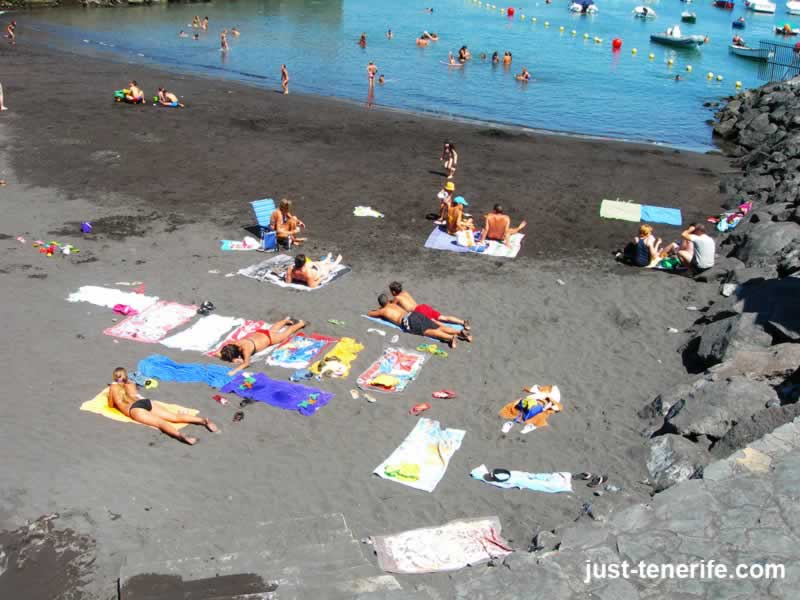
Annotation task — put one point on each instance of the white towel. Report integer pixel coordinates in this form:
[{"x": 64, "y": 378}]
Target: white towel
[
  {"x": 203, "y": 335},
  {"x": 109, "y": 297}
]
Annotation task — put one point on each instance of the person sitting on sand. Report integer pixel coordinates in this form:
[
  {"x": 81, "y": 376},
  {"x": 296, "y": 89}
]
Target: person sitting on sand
[
  {"x": 405, "y": 301},
  {"x": 241, "y": 351},
  {"x": 204, "y": 24},
  {"x": 449, "y": 159},
  {"x": 311, "y": 273},
  {"x": 123, "y": 396},
  {"x": 524, "y": 76},
  {"x": 235, "y": 32},
  {"x": 498, "y": 227},
  {"x": 697, "y": 250},
  {"x": 645, "y": 250},
  {"x": 456, "y": 220},
  {"x": 134, "y": 94},
  {"x": 416, "y": 323},
  {"x": 286, "y": 225},
  {"x": 167, "y": 98},
  {"x": 196, "y": 21},
  {"x": 421, "y": 41},
  {"x": 445, "y": 196}
]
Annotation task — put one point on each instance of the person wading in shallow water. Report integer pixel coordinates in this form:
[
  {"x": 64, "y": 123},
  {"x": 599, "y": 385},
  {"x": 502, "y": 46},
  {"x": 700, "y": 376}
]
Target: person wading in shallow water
[
  {"x": 123, "y": 396},
  {"x": 285, "y": 79}
]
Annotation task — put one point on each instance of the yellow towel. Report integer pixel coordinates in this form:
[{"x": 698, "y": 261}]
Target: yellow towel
[
  {"x": 346, "y": 351},
  {"x": 99, "y": 406}
]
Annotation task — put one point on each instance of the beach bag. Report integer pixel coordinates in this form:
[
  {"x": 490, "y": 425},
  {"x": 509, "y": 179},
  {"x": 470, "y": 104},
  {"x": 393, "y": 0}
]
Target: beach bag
[
  {"x": 464, "y": 238},
  {"x": 269, "y": 240}
]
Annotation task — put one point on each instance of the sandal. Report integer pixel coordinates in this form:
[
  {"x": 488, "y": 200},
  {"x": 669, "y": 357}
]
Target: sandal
[
  {"x": 582, "y": 476},
  {"x": 444, "y": 394},
  {"x": 598, "y": 480},
  {"x": 419, "y": 408},
  {"x": 507, "y": 426},
  {"x": 238, "y": 416}
]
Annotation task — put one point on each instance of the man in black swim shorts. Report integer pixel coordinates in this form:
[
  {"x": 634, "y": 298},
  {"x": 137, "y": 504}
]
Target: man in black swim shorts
[{"x": 416, "y": 323}]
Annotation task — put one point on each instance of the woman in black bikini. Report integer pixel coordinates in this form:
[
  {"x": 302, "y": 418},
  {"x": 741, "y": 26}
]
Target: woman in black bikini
[
  {"x": 242, "y": 350},
  {"x": 123, "y": 396}
]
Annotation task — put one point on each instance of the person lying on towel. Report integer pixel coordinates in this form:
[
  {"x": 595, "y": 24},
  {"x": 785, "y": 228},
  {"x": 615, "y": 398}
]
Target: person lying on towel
[
  {"x": 416, "y": 322},
  {"x": 498, "y": 227},
  {"x": 242, "y": 350},
  {"x": 405, "y": 301},
  {"x": 123, "y": 396},
  {"x": 309, "y": 272}
]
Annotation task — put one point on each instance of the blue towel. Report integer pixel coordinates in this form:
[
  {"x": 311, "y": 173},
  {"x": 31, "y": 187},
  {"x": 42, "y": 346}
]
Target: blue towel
[
  {"x": 659, "y": 214},
  {"x": 439, "y": 239},
  {"x": 165, "y": 369}
]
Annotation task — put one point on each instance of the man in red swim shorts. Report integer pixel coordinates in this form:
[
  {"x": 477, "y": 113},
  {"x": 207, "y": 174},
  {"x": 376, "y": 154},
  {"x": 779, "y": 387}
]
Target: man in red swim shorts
[{"x": 405, "y": 301}]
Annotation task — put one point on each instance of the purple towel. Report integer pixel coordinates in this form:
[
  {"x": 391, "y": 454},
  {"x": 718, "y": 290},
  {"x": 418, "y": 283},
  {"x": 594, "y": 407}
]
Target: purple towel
[{"x": 282, "y": 394}]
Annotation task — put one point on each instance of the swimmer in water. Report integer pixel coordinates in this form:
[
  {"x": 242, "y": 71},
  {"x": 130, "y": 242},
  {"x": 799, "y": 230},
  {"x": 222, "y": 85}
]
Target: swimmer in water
[
  {"x": 183, "y": 34},
  {"x": 372, "y": 69},
  {"x": 223, "y": 40},
  {"x": 389, "y": 35},
  {"x": 234, "y": 32},
  {"x": 429, "y": 10},
  {"x": 204, "y": 24},
  {"x": 196, "y": 36},
  {"x": 483, "y": 55},
  {"x": 196, "y": 22},
  {"x": 451, "y": 60},
  {"x": 285, "y": 79},
  {"x": 507, "y": 58},
  {"x": 381, "y": 80},
  {"x": 421, "y": 41},
  {"x": 524, "y": 76},
  {"x": 495, "y": 58},
  {"x": 678, "y": 78},
  {"x": 362, "y": 41}
]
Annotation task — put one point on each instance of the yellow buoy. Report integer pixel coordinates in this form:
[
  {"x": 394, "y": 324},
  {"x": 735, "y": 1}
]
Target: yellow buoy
[
  {"x": 598, "y": 40},
  {"x": 502, "y": 11},
  {"x": 719, "y": 77},
  {"x": 669, "y": 62},
  {"x": 738, "y": 84},
  {"x": 688, "y": 68},
  {"x": 547, "y": 23},
  {"x": 561, "y": 28},
  {"x": 522, "y": 17},
  {"x": 710, "y": 75},
  {"x": 634, "y": 50},
  {"x": 573, "y": 32},
  {"x": 651, "y": 56},
  {"x": 533, "y": 19},
  {"x": 586, "y": 36}
]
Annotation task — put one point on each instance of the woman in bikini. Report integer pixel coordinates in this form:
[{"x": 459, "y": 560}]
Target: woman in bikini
[
  {"x": 449, "y": 159},
  {"x": 123, "y": 396},
  {"x": 242, "y": 350},
  {"x": 286, "y": 225}
]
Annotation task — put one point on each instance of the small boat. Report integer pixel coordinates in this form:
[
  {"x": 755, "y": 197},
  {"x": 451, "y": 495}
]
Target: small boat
[
  {"x": 793, "y": 8},
  {"x": 761, "y": 54},
  {"x": 583, "y": 7},
  {"x": 726, "y": 4},
  {"x": 688, "y": 17},
  {"x": 760, "y": 6},
  {"x": 674, "y": 37},
  {"x": 644, "y": 12},
  {"x": 686, "y": 1},
  {"x": 739, "y": 23},
  {"x": 786, "y": 29}
]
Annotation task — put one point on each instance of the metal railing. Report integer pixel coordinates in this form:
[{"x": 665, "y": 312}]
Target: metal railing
[{"x": 783, "y": 61}]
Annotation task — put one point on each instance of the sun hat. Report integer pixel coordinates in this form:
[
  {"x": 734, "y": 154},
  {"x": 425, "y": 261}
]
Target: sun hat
[
  {"x": 450, "y": 186},
  {"x": 460, "y": 200}
]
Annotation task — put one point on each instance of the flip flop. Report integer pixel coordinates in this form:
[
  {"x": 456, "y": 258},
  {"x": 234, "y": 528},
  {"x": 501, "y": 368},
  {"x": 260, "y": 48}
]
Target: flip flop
[
  {"x": 238, "y": 416},
  {"x": 598, "y": 480},
  {"x": 354, "y": 394},
  {"x": 582, "y": 476},
  {"x": 528, "y": 428},
  {"x": 444, "y": 394},
  {"x": 427, "y": 348},
  {"x": 507, "y": 426},
  {"x": 370, "y": 398},
  {"x": 419, "y": 408}
]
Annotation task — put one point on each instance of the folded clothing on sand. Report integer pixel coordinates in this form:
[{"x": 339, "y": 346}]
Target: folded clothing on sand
[
  {"x": 448, "y": 547},
  {"x": 152, "y": 324},
  {"x": 110, "y": 297},
  {"x": 421, "y": 460},
  {"x": 273, "y": 270},
  {"x": 392, "y": 372},
  {"x": 338, "y": 360},
  {"x": 99, "y": 406},
  {"x": 289, "y": 396},
  {"x": 550, "y": 483},
  {"x": 165, "y": 369},
  {"x": 536, "y": 408},
  {"x": 203, "y": 335},
  {"x": 300, "y": 351}
]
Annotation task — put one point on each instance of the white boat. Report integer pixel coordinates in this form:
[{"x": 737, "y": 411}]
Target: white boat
[
  {"x": 760, "y": 6},
  {"x": 761, "y": 54},
  {"x": 793, "y": 8},
  {"x": 583, "y": 8},
  {"x": 644, "y": 12}
]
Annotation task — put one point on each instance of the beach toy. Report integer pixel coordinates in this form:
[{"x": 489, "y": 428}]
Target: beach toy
[
  {"x": 616, "y": 44},
  {"x": 719, "y": 77},
  {"x": 86, "y": 227},
  {"x": 710, "y": 75},
  {"x": 738, "y": 84},
  {"x": 651, "y": 56},
  {"x": 688, "y": 68}
]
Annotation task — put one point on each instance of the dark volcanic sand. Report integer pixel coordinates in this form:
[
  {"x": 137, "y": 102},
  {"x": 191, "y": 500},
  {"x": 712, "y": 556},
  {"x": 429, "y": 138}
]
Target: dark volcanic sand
[{"x": 163, "y": 185}]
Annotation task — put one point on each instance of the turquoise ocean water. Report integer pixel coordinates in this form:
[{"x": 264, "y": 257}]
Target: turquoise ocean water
[{"x": 580, "y": 85}]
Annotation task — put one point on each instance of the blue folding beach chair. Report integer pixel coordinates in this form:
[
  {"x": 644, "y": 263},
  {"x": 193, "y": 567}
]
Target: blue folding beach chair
[{"x": 263, "y": 210}]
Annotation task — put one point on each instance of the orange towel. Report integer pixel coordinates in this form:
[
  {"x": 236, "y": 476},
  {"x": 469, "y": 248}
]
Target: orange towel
[{"x": 542, "y": 393}]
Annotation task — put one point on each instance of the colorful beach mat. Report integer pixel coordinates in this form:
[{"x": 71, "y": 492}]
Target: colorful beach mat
[
  {"x": 439, "y": 239},
  {"x": 300, "y": 351},
  {"x": 203, "y": 335},
  {"x": 110, "y": 297},
  {"x": 240, "y": 333},
  {"x": 285, "y": 395},
  {"x": 392, "y": 372},
  {"x": 421, "y": 460},
  {"x": 631, "y": 211},
  {"x": 273, "y": 270},
  {"x": 153, "y": 324},
  {"x": 337, "y": 362},
  {"x": 99, "y": 406},
  {"x": 449, "y": 547}
]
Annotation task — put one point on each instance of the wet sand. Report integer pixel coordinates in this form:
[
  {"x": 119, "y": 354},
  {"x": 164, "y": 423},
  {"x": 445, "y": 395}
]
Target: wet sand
[{"x": 162, "y": 186}]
